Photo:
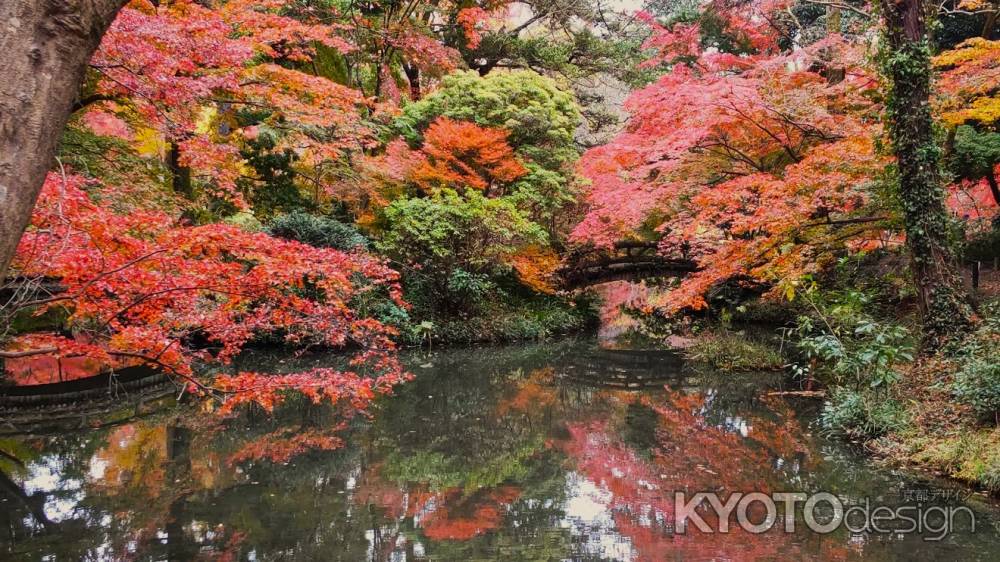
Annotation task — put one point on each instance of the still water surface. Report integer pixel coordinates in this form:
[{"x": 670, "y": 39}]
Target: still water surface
[{"x": 556, "y": 451}]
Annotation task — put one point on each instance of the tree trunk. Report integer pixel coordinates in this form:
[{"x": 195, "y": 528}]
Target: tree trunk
[
  {"x": 180, "y": 176},
  {"x": 943, "y": 302},
  {"x": 990, "y": 25},
  {"x": 46, "y": 45},
  {"x": 991, "y": 178},
  {"x": 413, "y": 77}
]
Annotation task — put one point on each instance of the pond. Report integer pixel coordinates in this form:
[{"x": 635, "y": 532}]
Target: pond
[{"x": 555, "y": 451}]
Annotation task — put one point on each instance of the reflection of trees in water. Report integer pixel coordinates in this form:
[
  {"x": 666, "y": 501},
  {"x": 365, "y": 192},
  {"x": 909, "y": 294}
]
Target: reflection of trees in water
[
  {"x": 33, "y": 518},
  {"x": 465, "y": 452},
  {"x": 667, "y": 443},
  {"x": 466, "y": 468},
  {"x": 485, "y": 452},
  {"x": 20, "y": 503},
  {"x": 536, "y": 405}
]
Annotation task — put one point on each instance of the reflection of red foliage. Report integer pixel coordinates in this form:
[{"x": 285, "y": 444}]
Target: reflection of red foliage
[
  {"x": 692, "y": 455},
  {"x": 446, "y": 515},
  {"x": 533, "y": 393},
  {"x": 230, "y": 552},
  {"x": 387, "y": 495},
  {"x": 484, "y": 513},
  {"x": 47, "y": 369},
  {"x": 280, "y": 447}
]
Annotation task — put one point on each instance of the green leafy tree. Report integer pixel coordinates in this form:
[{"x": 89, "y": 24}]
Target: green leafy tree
[
  {"x": 451, "y": 243},
  {"x": 975, "y": 156},
  {"x": 540, "y": 116}
]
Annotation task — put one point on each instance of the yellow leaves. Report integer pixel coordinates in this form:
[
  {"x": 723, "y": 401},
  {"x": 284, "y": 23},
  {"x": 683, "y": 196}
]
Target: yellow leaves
[
  {"x": 982, "y": 110},
  {"x": 788, "y": 287},
  {"x": 205, "y": 123},
  {"x": 970, "y": 50},
  {"x": 150, "y": 143},
  {"x": 970, "y": 82},
  {"x": 134, "y": 456},
  {"x": 144, "y": 6},
  {"x": 535, "y": 266}
]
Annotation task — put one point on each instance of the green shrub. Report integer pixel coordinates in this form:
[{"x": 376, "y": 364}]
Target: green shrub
[
  {"x": 843, "y": 346},
  {"x": 862, "y": 414},
  {"x": 541, "y": 117},
  {"x": 977, "y": 382},
  {"x": 984, "y": 246},
  {"x": 322, "y": 232},
  {"x": 505, "y": 318},
  {"x": 273, "y": 188},
  {"x": 856, "y": 356},
  {"x": 448, "y": 231},
  {"x": 734, "y": 351},
  {"x": 453, "y": 248},
  {"x": 474, "y": 286},
  {"x": 244, "y": 220}
]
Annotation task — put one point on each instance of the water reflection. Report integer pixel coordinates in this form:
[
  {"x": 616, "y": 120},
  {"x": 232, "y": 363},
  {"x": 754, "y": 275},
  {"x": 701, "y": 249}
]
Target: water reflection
[{"x": 549, "y": 452}]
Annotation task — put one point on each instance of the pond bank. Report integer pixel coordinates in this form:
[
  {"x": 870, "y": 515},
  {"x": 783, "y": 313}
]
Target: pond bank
[{"x": 941, "y": 437}]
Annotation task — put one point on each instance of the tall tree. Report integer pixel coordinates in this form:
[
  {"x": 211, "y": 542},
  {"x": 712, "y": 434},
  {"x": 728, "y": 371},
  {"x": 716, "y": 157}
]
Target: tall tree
[
  {"x": 941, "y": 296},
  {"x": 47, "y": 45}
]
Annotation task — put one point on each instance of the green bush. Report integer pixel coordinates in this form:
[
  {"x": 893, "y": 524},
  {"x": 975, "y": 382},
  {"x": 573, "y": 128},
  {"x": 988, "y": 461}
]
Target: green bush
[
  {"x": 273, "y": 188},
  {"x": 244, "y": 220},
  {"x": 862, "y": 414},
  {"x": 540, "y": 116},
  {"x": 843, "y": 346},
  {"x": 856, "y": 356},
  {"x": 541, "y": 119},
  {"x": 322, "y": 232},
  {"x": 732, "y": 351},
  {"x": 984, "y": 246},
  {"x": 977, "y": 382},
  {"x": 506, "y": 318},
  {"x": 974, "y": 153},
  {"x": 448, "y": 231},
  {"x": 470, "y": 285}
]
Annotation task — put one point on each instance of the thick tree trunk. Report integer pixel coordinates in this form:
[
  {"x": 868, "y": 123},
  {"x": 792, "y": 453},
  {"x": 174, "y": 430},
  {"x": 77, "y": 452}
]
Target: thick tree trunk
[
  {"x": 46, "y": 45},
  {"x": 943, "y": 302}
]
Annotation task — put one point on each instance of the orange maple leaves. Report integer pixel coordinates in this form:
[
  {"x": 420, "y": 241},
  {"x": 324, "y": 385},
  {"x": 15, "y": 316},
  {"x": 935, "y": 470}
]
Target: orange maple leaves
[{"x": 461, "y": 155}]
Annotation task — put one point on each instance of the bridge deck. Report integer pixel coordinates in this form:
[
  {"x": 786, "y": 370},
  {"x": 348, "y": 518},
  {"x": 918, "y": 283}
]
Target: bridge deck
[{"x": 625, "y": 261}]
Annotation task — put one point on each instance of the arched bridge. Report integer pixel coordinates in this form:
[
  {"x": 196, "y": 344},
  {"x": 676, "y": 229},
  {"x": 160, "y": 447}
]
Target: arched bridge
[{"x": 628, "y": 260}]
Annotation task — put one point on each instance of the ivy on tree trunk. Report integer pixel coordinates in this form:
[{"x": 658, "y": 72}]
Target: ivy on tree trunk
[{"x": 943, "y": 302}]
